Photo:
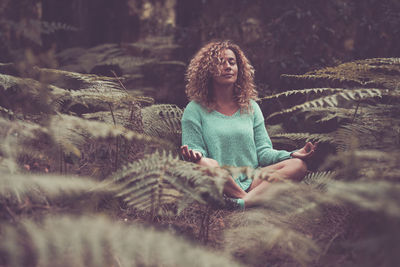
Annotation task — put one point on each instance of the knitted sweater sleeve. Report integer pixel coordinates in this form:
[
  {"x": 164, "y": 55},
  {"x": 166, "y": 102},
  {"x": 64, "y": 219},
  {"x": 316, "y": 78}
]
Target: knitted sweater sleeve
[
  {"x": 265, "y": 152},
  {"x": 192, "y": 134}
]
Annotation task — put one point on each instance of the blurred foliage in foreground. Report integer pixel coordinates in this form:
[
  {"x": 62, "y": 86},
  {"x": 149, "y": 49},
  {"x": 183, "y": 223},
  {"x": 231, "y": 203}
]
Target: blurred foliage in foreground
[
  {"x": 84, "y": 149},
  {"x": 89, "y": 171}
]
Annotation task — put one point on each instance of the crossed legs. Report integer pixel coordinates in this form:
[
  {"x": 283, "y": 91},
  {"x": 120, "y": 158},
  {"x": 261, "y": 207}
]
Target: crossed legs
[{"x": 291, "y": 169}]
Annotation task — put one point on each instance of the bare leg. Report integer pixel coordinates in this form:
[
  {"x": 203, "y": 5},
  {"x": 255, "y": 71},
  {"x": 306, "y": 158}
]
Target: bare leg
[
  {"x": 231, "y": 189},
  {"x": 292, "y": 169}
]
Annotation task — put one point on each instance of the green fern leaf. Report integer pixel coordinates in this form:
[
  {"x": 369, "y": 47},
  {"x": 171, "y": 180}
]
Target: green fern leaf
[
  {"x": 75, "y": 131},
  {"x": 303, "y": 92},
  {"x": 42, "y": 97},
  {"x": 159, "y": 179},
  {"x": 163, "y": 121},
  {"x": 332, "y": 100},
  {"x": 304, "y": 137},
  {"x": 375, "y": 72}
]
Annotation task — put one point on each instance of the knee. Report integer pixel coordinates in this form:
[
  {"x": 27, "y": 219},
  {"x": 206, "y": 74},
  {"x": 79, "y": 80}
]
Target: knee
[{"x": 208, "y": 162}]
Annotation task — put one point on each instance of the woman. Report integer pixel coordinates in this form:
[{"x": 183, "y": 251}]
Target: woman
[{"x": 223, "y": 125}]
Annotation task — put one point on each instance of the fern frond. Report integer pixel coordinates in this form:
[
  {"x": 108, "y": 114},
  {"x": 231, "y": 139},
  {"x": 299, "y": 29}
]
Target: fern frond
[
  {"x": 32, "y": 29},
  {"x": 369, "y": 199},
  {"x": 74, "y": 130},
  {"x": 303, "y": 92},
  {"x": 21, "y": 138},
  {"x": 265, "y": 242},
  {"x": 88, "y": 90},
  {"x": 51, "y": 27},
  {"x": 17, "y": 188},
  {"x": 380, "y": 197},
  {"x": 99, "y": 147},
  {"x": 375, "y": 196},
  {"x": 85, "y": 60},
  {"x": 128, "y": 118},
  {"x": 376, "y": 204},
  {"x": 41, "y": 97},
  {"x": 333, "y": 100},
  {"x": 163, "y": 120},
  {"x": 97, "y": 241},
  {"x": 319, "y": 180},
  {"x": 304, "y": 137},
  {"x": 373, "y": 134},
  {"x": 325, "y": 114},
  {"x": 364, "y": 164},
  {"x": 160, "y": 179},
  {"x": 376, "y": 72},
  {"x": 72, "y": 80}
]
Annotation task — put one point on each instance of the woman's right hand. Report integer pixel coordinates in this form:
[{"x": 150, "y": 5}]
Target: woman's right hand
[{"x": 190, "y": 154}]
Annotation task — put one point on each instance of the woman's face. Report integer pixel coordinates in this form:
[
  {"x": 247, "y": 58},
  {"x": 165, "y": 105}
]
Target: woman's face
[{"x": 227, "y": 69}]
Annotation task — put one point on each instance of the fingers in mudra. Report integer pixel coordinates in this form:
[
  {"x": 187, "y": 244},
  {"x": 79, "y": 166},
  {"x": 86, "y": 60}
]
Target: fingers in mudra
[{"x": 190, "y": 155}]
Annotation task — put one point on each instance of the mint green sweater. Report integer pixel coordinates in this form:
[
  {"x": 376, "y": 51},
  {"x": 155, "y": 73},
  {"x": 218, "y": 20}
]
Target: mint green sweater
[{"x": 237, "y": 140}]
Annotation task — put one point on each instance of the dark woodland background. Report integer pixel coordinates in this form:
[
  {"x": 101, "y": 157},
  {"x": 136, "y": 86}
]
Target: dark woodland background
[
  {"x": 279, "y": 37},
  {"x": 91, "y": 98}
]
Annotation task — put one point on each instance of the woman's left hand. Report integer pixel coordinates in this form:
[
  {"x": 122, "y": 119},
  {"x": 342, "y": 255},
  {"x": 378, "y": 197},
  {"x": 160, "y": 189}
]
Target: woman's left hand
[{"x": 306, "y": 151}]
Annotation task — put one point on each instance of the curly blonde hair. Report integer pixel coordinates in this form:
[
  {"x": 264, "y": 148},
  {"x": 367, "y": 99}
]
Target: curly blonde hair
[{"x": 203, "y": 66}]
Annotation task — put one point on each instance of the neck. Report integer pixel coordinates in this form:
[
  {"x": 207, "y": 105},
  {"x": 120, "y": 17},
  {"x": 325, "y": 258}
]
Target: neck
[{"x": 223, "y": 93}]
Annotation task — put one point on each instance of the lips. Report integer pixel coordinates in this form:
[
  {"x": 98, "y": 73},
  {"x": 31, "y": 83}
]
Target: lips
[{"x": 227, "y": 76}]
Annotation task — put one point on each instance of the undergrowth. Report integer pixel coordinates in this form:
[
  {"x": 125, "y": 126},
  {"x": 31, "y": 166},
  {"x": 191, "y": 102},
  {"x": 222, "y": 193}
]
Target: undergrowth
[{"x": 90, "y": 176}]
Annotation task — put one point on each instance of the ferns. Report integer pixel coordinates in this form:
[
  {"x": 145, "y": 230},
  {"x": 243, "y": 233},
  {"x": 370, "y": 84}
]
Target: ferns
[
  {"x": 74, "y": 80},
  {"x": 319, "y": 179},
  {"x": 383, "y": 198},
  {"x": 16, "y": 188},
  {"x": 333, "y": 100},
  {"x": 362, "y": 124},
  {"x": 259, "y": 241},
  {"x": 160, "y": 179},
  {"x": 293, "y": 213},
  {"x": 20, "y": 138},
  {"x": 72, "y": 128},
  {"x": 105, "y": 144},
  {"x": 376, "y": 72},
  {"x": 364, "y": 164},
  {"x": 306, "y": 137},
  {"x": 31, "y": 29},
  {"x": 352, "y": 187},
  {"x": 303, "y": 92},
  {"x": 41, "y": 98},
  {"x": 162, "y": 120},
  {"x": 97, "y": 241}
]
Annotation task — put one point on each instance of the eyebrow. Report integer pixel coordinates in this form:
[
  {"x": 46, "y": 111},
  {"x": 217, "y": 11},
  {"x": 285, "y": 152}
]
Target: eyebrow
[{"x": 228, "y": 59}]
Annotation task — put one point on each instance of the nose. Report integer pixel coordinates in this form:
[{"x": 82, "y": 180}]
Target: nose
[{"x": 226, "y": 65}]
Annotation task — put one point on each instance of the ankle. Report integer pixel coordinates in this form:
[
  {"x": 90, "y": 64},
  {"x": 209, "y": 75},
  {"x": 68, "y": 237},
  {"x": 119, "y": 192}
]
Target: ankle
[{"x": 241, "y": 203}]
